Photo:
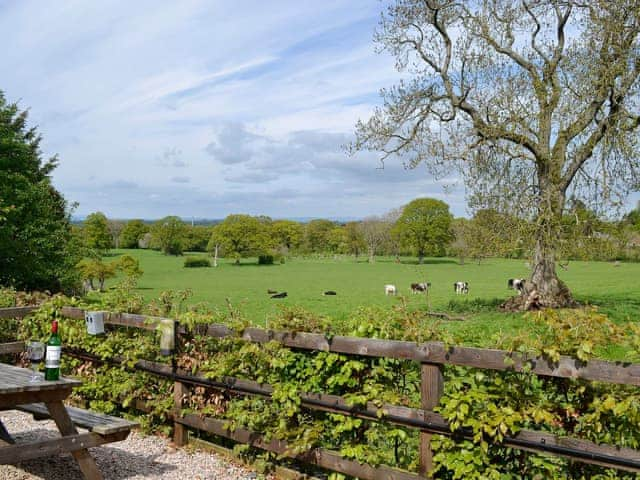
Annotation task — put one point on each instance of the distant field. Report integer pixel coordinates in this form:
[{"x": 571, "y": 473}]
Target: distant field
[{"x": 357, "y": 283}]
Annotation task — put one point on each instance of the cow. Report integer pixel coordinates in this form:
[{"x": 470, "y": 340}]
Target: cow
[
  {"x": 420, "y": 287},
  {"x": 516, "y": 284},
  {"x": 461, "y": 287},
  {"x": 390, "y": 289},
  {"x": 329, "y": 292},
  {"x": 279, "y": 295}
]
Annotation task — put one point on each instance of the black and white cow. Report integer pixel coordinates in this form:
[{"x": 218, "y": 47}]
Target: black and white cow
[
  {"x": 390, "y": 289},
  {"x": 279, "y": 295},
  {"x": 516, "y": 284},
  {"x": 420, "y": 287},
  {"x": 461, "y": 287}
]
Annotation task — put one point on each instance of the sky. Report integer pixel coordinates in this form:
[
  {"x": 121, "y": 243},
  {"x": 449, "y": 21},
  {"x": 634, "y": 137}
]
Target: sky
[{"x": 207, "y": 108}]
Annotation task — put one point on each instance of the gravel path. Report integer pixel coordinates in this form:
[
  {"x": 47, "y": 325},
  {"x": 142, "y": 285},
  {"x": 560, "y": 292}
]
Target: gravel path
[{"x": 136, "y": 458}]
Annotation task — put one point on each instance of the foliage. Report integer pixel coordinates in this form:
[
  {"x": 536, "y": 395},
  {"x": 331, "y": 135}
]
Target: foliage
[
  {"x": 95, "y": 269},
  {"x": 196, "y": 238},
  {"x": 96, "y": 232},
  {"x": 35, "y": 231},
  {"x": 374, "y": 232},
  {"x": 425, "y": 226},
  {"x": 242, "y": 236},
  {"x": 167, "y": 235},
  {"x": 129, "y": 266},
  {"x": 488, "y": 405},
  {"x": 132, "y": 232},
  {"x": 316, "y": 235},
  {"x": 194, "y": 262},
  {"x": 265, "y": 259},
  {"x": 287, "y": 234}
]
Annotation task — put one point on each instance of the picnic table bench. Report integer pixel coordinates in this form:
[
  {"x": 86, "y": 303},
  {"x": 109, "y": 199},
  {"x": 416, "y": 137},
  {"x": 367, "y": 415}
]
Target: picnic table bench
[{"x": 44, "y": 399}]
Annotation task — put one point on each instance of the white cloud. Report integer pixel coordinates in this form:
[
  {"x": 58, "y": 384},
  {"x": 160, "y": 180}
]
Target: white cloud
[{"x": 206, "y": 108}]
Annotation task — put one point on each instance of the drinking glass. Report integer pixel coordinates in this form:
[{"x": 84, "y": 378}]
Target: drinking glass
[{"x": 35, "y": 352}]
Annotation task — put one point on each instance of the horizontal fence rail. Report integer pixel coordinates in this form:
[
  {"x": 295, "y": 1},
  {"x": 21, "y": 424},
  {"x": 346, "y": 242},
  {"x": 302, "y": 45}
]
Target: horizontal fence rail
[{"x": 429, "y": 354}]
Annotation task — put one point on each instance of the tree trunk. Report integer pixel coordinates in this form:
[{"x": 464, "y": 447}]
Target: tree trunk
[
  {"x": 544, "y": 289},
  {"x": 215, "y": 256},
  {"x": 372, "y": 257}
]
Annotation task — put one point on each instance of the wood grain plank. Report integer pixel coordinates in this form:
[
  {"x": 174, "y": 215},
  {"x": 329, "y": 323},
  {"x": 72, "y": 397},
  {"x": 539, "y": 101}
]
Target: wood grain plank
[
  {"x": 92, "y": 421},
  {"x": 42, "y": 448},
  {"x": 86, "y": 463},
  {"x": 16, "y": 312}
]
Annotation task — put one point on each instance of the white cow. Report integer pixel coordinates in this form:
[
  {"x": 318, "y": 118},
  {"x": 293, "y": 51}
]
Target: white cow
[
  {"x": 516, "y": 284},
  {"x": 461, "y": 287},
  {"x": 390, "y": 289}
]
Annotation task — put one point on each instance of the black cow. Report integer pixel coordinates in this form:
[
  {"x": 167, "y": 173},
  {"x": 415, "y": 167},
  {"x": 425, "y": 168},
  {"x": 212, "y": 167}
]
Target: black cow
[
  {"x": 420, "y": 287},
  {"x": 329, "y": 292},
  {"x": 279, "y": 295},
  {"x": 516, "y": 284}
]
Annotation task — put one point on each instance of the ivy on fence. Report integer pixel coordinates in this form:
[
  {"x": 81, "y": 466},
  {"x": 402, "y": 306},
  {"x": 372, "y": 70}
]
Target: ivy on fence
[{"x": 490, "y": 404}]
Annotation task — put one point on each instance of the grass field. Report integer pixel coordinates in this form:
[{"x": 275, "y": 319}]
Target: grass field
[{"x": 357, "y": 283}]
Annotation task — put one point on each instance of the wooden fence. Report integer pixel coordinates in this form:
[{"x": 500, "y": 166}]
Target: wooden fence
[{"x": 431, "y": 355}]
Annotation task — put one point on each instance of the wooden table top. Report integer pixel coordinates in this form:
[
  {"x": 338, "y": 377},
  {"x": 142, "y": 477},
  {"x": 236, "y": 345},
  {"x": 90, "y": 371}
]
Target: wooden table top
[{"x": 16, "y": 379}]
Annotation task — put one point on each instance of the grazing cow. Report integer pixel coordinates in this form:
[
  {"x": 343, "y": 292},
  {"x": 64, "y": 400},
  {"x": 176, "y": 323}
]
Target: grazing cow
[
  {"x": 390, "y": 290},
  {"x": 461, "y": 287},
  {"x": 420, "y": 287},
  {"x": 279, "y": 295},
  {"x": 271, "y": 292},
  {"x": 516, "y": 284},
  {"x": 329, "y": 292}
]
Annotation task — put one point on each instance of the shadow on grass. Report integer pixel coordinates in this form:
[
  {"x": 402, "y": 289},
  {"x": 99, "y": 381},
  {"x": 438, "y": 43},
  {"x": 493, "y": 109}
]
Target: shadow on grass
[
  {"x": 474, "y": 305},
  {"x": 609, "y": 300}
]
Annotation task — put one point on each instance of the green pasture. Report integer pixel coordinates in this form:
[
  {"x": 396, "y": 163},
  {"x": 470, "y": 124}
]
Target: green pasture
[{"x": 358, "y": 283}]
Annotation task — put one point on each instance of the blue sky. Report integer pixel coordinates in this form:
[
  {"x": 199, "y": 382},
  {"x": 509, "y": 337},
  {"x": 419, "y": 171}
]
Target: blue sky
[{"x": 206, "y": 108}]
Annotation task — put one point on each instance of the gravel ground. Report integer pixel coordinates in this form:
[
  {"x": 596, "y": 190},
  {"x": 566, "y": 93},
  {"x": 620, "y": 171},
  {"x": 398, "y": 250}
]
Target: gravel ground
[{"x": 136, "y": 458}]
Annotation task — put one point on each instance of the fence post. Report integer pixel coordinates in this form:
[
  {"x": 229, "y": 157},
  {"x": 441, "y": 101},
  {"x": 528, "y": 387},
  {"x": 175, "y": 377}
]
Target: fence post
[
  {"x": 180, "y": 433},
  {"x": 431, "y": 389},
  {"x": 180, "y": 391}
]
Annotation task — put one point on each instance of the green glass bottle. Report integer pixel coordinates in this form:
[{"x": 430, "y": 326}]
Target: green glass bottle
[{"x": 52, "y": 359}]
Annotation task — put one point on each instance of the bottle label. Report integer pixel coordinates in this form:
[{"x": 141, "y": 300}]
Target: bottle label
[{"x": 52, "y": 359}]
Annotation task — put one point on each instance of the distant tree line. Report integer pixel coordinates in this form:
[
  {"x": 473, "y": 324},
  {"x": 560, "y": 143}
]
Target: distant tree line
[{"x": 424, "y": 227}]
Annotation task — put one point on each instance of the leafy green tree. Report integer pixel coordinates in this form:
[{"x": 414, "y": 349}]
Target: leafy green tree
[
  {"x": 425, "y": 226},
  {"x": 196, "y": 238},
  {"x": 132, "y": 232},
  {"x": 96, "y": 232},
  {"x": 129, "y": 266},
  {"x": 316, "y": 235},
  {"x": 355, "y": 243},
  {"x": 95, "y": 269},
  {"x": 287, "y": 234},
  {"x": 167, "y": 235},
  {"x": 115, "y": 229},
  {"x": 493, "y": 234},
  {"x": 531, "y": 102},
  {"x": 35, "y": 231},
  {"x": 337, "y": 239},
  {"x": 242, "y": 236}
]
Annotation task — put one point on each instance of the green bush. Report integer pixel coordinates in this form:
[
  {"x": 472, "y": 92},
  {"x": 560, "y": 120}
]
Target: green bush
[
  {"x": 194, "y": 262},
  {"x": 265, "y": 259}
]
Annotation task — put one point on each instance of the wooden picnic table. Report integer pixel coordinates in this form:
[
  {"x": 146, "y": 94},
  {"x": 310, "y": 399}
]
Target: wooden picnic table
[{"x": 17, "y": 392}]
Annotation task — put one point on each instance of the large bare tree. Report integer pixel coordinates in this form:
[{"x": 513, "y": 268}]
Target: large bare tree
[{"x": 534, "y": 101}]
